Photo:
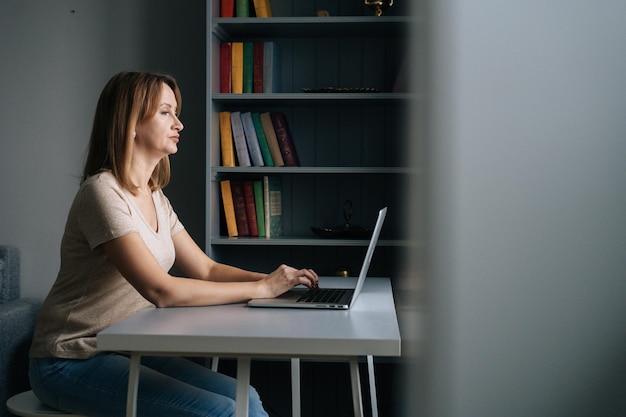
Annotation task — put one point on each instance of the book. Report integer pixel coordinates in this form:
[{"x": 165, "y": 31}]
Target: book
[
  {"x": 227, "y": 8},
  {"x": 248, "y": 194},
  {"x": 257, "y": 67},
  {"x": 236, "y": 67},
  {"x": 226, "y": 140},
  {"x": 248, "y": 51},
  {"x": 239, "y": 139},
  {"x": 272, "y": 141},
  {"x": 285, "y": 140},
  {"x": 260, "y": 206},
  {"x": 225, "y": 64},
  {"x": 239, "y": 203},
  {"x": 263, "y": 8},
  {"x": 229, "y": 208},
  {"x": 252, "y": 140},
  {"x": 242, "y": 8},
  {"x": 270, "y": 67},
  {"x": 272, "y": 199},
  {"x": 260, "y": 134}
]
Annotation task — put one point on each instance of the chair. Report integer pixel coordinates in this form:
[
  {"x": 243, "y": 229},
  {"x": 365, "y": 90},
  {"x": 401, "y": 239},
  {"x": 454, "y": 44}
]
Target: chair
[
  {"x": 17, "y": 320},
  {"x": 26, "y": 404}
]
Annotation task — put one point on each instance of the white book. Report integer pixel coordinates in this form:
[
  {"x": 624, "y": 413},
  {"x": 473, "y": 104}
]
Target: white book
[
  {"x": 239, "y": 138},
  {"x": 270, "y": 67},
  {"x": 252, "y": 140}
]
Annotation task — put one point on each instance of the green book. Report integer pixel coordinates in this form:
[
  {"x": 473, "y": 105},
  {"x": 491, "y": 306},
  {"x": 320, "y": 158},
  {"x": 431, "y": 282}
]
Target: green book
[
  {"x": 242, "y": 8},
  {"x": 260, "y": 207},
  {"x": 262, "y": 139},
  {"x": 272, "y": 199},
  {"x": 248, "y": 66}
]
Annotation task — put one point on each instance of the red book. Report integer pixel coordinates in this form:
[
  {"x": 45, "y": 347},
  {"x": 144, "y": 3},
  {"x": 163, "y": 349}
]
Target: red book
[
  {"x": 257, "y": 67},
  {"x": 227, "y": 8},
  {"x": 225, "y": 62},
  {"x": 285, "y": 140},
  {"x": 239, "y": 202},
  {"x": 248, "y": 194}
]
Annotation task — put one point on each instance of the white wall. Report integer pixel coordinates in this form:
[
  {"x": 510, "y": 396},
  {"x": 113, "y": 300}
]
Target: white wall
[
  {"x": 527, "y": 205},
  {"x": 56, "y": 57}
]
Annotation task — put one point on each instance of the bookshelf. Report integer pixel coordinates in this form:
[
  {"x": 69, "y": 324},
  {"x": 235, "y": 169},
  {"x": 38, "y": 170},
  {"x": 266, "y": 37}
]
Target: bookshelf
[{"x": 351, "y": 145}]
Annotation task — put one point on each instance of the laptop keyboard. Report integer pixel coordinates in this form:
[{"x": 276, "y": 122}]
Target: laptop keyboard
[{"x": 326, "y": 295}]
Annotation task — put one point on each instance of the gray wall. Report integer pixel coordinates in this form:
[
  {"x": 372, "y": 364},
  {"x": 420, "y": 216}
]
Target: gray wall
[
  {"x": 526, "y": 236},
  {"x": 527, "y": 226},
  {"x": 55, "y": 58}
]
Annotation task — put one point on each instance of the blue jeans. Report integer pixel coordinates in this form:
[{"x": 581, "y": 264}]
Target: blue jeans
[{"x": 97, "y": 387}]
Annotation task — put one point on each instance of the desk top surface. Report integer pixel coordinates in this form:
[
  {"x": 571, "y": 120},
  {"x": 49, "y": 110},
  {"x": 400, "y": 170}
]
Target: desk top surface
[{"x": 370, "y": 327}]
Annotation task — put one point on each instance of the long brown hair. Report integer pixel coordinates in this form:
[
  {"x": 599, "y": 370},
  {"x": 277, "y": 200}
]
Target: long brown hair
[{"x": 128, "y": 98}]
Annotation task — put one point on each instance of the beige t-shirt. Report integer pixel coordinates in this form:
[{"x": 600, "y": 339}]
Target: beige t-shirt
[{"x": 89, "y": 293}]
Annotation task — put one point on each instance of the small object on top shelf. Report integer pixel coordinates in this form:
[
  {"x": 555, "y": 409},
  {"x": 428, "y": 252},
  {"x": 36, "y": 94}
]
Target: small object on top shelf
[
  {"x": 378, "y": 5},
  {"x": 322, "y": 13},
  {"x": 341, "y": 90},
  {"x": 345, "y": 231}
]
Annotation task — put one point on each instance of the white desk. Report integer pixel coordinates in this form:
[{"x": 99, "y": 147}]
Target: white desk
[{"x": 369, "y": 328}]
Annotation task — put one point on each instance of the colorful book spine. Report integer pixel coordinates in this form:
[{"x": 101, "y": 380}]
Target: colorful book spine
[
  {"x": 252, "y": 140},
  {"x": 248, "y": 194},
  {"x": 236, "y": 67},
  {"x": 239, "y": 203},
  {"x": 239, "y": 138},
  {"x": 259, "y": 206},
  {"x": 229, "y": 208},
  {"x": 272, "y": 141},
  {"x": 242, "y": 8},
  {"x": 226, "y": 140},
  {"x": 263, "y": 8},
  {"x": 260, "y": 134},
  {"x": 225, "y": 65},
  {"x": 227, "y": 8},
  {"x": 248, "y": 58},
  {"x": 270, "y": 67},
  {"x": 257, "y": 67},
  {"x": 272, "y": 198},
  {"x": 285, "y": 140}
]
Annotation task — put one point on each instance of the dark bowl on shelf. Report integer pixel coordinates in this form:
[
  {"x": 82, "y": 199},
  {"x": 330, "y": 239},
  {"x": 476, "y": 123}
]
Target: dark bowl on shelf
[{"x": 352, "y": 232}]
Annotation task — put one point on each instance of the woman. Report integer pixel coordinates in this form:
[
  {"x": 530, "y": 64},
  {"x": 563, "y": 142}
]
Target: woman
[{"x": 121, "y": 239}]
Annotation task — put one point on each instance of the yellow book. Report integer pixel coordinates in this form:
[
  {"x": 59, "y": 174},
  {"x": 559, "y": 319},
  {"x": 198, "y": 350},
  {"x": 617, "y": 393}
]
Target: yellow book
[
  {"x": 236, "y": 69},
  {"x": 229, "y": 208},
  {"x": 226, "y": 135},
  {"x": 263, "y": 8}
]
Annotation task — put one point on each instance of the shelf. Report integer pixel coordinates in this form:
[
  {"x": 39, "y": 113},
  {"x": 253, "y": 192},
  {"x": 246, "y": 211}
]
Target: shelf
[
  {"x": 229, "y": 29},
  {"x": 300, "y": 241},
  {"x": 351, "y": 141},
  {"x": 306, "y": 98},
  {"x": 310, "y": 170}
]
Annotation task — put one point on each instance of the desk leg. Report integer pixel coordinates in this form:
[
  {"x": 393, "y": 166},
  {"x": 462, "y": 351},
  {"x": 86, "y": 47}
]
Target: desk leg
[
  {"x": 133, "y": 385},
  {"x": 357, "y": 401},
  {"x": 370, "y": 370},
  {"x": 295, "y": 387},
  {"x": 243, "y": 384},
  {"x": 215, "y": 361}
]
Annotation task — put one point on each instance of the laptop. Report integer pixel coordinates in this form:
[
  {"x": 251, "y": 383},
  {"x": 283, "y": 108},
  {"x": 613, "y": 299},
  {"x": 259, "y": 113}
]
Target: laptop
[{"x": 326, "y": 298}]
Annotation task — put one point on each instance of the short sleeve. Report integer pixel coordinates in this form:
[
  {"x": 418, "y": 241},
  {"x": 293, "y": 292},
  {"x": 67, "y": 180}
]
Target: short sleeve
[{"x": 103, "y": 211}]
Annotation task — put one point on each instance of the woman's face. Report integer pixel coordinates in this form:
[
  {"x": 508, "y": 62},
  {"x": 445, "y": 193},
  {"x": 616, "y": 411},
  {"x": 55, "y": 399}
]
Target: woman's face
[{"x": 158, "y": 135}]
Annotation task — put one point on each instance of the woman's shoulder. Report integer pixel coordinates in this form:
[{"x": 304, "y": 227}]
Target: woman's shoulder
[
  {"x": 101, "y": 187},
  {"x": 101, "y": 179}
]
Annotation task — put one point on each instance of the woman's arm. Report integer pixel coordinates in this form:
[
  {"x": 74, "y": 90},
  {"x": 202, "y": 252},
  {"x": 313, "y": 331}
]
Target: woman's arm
[
  {"x": 194, "y": 263},
  {"x": 136, "y": 263}
]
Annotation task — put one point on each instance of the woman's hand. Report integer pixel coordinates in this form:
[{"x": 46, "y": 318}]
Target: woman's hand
[{"x": 284, "y": 278}]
